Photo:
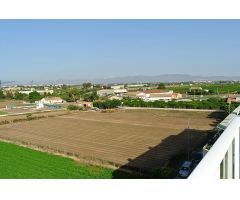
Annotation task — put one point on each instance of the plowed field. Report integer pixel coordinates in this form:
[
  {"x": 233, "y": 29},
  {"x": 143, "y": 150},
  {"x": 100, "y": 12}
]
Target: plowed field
[{"x": 138, "y": 138}]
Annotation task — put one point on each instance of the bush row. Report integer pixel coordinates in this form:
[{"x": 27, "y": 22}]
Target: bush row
[{"x": 211, "y": 104}]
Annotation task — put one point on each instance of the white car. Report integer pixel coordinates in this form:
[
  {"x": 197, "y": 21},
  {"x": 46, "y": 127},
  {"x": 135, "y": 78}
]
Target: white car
[{"x": 185, "y": 169}]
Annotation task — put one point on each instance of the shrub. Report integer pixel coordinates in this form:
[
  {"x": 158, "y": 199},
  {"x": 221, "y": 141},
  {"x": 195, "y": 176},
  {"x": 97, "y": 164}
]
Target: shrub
[
  {"x": 4, "y": 122},
  {"x": 29, "y": 116},
  {"x": 73, "y": 107}
]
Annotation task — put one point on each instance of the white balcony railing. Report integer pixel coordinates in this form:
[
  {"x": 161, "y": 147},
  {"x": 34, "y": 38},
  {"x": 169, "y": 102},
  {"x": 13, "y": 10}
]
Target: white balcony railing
[{"x": 222, "y": 160}]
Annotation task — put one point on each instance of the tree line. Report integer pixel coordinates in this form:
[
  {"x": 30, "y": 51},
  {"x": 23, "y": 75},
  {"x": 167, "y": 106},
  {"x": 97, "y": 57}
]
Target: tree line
[
  {"x": 211, "y": 104},
  {"x": 67, "y": 93}
]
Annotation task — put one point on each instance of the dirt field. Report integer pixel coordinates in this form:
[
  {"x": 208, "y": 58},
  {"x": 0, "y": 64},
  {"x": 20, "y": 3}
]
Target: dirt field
[
  {"x": 4, "y": 103},
  {"x": 143, "y": 139}
]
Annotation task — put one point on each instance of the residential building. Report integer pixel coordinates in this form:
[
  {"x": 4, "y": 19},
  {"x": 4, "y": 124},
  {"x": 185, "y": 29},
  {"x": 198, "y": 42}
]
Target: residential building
[
  {"x": 106, "y": 92},
  {"x": 42, "y": 92},
  {"x": 50, "y": 100},
  {"x": 158, "y": 95},
  {"x": 233, "y": 98},
  {"x": 114, "y": 97},
  {"x": 116, "y": 87},
  {"x": 120, "y": 92}
]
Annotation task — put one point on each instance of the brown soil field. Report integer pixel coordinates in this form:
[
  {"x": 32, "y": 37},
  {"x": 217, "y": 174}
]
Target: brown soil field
[
  {"x": 37, "y": 114},
  {"x": 3, "y": 103},
  {"x": 142, "y": 139}
]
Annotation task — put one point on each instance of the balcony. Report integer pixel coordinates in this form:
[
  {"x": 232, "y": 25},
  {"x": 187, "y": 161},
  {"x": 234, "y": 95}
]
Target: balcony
[{"x": 222, "y": 159}]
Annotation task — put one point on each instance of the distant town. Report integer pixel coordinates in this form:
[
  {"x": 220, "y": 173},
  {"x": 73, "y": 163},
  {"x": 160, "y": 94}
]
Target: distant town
[
  {"x": 218, "y": 95},
  {"x": 123, "y": 130}
]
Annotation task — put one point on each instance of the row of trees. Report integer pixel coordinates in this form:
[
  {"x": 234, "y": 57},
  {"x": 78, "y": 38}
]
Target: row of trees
[
  {"x": 212, "y": 104},
  {"x": 69, "y": 94},
  {"x": 32, "y": 97},
  {"x": 107, "y": 104},
  {"x": 74, "y": 94}
]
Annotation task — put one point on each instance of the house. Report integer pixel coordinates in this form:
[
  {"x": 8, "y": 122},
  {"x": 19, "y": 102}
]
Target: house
[
  {"x": 158, "y": 95},
  {"x": 108, "y": 92},
  {"x": 114, "y": 97},
  {"x": 176, "y": 96},
  {"x": 116, "y": 87},
  {"x": 41, "y": 92},
  {"x": 50, "y": 100},
  {"x": 120, "y": 92},
  {"x": 105, "y": 92},
  {"x": 233, "y": 98}
]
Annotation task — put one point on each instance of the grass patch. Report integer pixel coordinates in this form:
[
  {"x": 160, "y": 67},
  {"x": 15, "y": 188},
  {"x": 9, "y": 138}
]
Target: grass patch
[
  {"x": 23, "y": 163},
  {"x": 3, "y": 113}
]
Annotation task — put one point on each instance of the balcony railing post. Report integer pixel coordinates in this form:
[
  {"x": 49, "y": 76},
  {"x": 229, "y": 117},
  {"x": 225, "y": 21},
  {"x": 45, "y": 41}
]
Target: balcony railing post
[
  {"x": 230, "y": 162},
  {"x": 236, "y": 155}
]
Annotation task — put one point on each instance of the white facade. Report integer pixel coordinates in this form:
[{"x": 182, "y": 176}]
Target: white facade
[
  {"x": 42, "y": 92},
  {"x": 150, "y": 99},
  {"x": 156, "y": 95},
  {"x": 108, "y": 92},
  {"x": 116, "y": 87},
  {"x": 120, "y": 91},
  {"x": 50, "y": 100}
]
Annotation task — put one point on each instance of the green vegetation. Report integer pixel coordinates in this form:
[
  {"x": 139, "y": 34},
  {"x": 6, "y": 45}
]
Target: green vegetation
[
  {"x": 73, "y": 107},
  {"x": 161, "y": 86},
  {"x": 213, "y": 88},
  {"x": 23, "y": 163},
  {"x": 211, "y": 104},
  {"x": 86, "y": 92},
  {"x": 107, "y": 104},
  {"x": 2, "y": 96},
  {"x": 29, "y": 116},
  {"x": 34, "y": 96},
  {"x": 3, "y": 113}
]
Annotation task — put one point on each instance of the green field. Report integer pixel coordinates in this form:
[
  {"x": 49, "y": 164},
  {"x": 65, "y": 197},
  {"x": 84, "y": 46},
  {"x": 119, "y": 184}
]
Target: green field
[
  {"x": 18, "y": 162},
  {"x": 3, "y": 113},
  {"x": 217, "y": 88}
]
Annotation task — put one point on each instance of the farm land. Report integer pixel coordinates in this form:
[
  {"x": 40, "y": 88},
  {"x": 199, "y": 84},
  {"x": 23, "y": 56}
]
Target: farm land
[{"x": 132, "y": 140}]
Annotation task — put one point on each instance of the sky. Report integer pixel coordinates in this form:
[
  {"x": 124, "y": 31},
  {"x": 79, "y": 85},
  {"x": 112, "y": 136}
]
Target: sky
[{"x": 85, "y": 49}]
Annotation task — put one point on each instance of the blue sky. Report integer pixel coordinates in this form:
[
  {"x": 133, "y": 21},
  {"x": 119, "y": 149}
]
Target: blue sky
[{"x": 76, "y": 49}]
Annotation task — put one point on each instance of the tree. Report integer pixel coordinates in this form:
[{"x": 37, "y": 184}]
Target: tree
[
  {"x": 87, "y": 85},
  {"x": 9, "y": 95},
  {"x": 34, "y": 96},
  {"x": 91, "y": 96},
  {"x": 20, "y": 96},
  {"x": 2, "y": 96},
  {"x": 70, "y": 94},
  {"x": 161, "y": 86},
  {"x": 74, "y": 107}
]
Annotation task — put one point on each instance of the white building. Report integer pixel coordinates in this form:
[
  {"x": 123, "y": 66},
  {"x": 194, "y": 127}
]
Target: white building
[
  {"x": 107, "y": 92},
  {"x": 156, "y": 95},
  {"x": 120, "y": 92},
  {"x": 42, "y": 92},
  {"x": 116, "y": 87},
  {"x": 50, "y": 100}
]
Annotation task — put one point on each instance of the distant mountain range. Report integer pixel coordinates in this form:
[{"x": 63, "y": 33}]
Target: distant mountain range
[
  {"x": 139, "y": 79},
  {"x": 152, "y": 79}
]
